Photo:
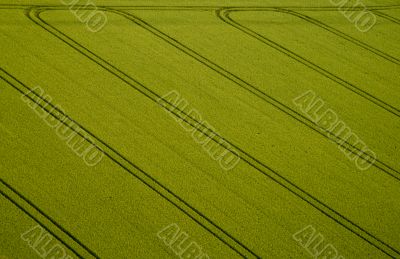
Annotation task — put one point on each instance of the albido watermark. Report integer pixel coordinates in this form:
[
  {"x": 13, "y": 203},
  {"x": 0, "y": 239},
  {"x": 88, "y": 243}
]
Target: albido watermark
[
  {"x": 180, "y": 243},
  {"x": 75, "y": 137},
  {"x": 44, "y": 244},
  {"x": 314, "y": 243},
  {"x": 363, "y": 20},
  {"x": 316, "y": 110},
  {"x": 88, "y": 14},
  {"x": 202, "y": 133}
]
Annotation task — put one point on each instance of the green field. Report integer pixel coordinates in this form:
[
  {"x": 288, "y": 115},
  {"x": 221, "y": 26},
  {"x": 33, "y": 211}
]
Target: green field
[{"x": 174, "y": 131}]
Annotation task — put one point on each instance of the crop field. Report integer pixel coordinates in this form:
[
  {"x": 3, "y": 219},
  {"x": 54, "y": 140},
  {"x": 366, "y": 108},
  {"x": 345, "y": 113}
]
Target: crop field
[{"x": 199, "y": 129}]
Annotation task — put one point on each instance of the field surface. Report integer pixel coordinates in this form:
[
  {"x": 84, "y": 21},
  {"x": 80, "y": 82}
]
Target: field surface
[{"x": 185, "y": 129}]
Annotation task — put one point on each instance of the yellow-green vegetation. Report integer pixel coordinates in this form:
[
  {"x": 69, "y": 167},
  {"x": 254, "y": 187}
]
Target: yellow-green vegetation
[{"x": 165, "y": 91}]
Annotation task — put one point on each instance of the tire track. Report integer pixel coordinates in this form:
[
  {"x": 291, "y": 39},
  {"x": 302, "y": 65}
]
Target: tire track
[
  {"x": 213, "y": 7},
  {"x": 260, "y": 94},
  {"x": 223, "y": 14},
  {"x": 251, "y": 161},
  {"x": 33, "y": 207},
  {"x": 342, "y": 35},
  {"x": 136, "y": 172},
  {"x": 11, "y": 7},
  {"x": 387, "y": 17}
]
